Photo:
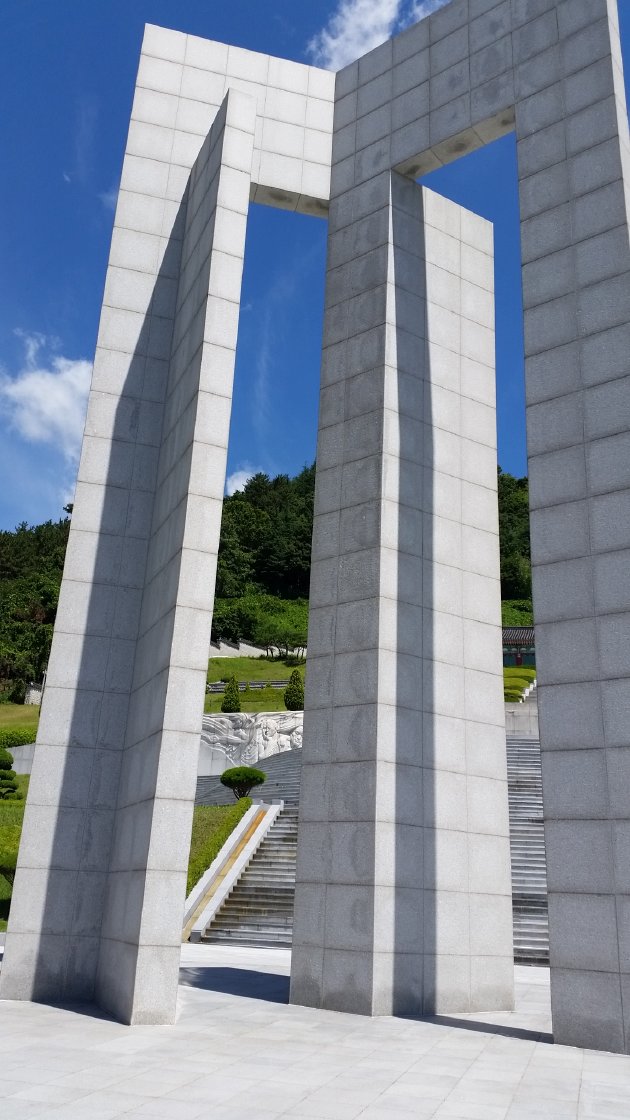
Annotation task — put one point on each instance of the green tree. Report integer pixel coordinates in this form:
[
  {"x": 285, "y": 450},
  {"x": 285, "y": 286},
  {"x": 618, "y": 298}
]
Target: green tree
[
  {"x": 266, "y": 532},
  {"x": 514, "y": 537},
  {"x": 225, "y": 621},
  {"x": 31, "y": 563},
  {"x": 231, "y": 701},
  {"x": 294, "y": 692},
  {"x": 241, "y": 779},
  {"x": 9, "y": 790}
]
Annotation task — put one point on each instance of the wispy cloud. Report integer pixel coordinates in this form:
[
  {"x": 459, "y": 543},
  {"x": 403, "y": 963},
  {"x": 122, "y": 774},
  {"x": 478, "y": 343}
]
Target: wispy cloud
[
  {"x": 357, "y": 26},
  {"x": 270, "y": 315},
  {"x": 239, "y": 478},
  {"x": 84, "y": 138},
  {"x": 261, "y": 414},
  {"x": 45, "y": 400},
  {"x": 110, "y": 198}
]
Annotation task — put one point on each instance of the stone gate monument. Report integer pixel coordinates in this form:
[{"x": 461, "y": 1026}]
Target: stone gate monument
[{"x": 403, "y": 894}]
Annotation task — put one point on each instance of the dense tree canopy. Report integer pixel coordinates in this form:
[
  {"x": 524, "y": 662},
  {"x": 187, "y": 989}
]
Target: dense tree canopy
[
  {"x": 266, "y": 537},
  {"x": 31, "y": 563},
  {"x": 516, "y": 569},
  {"x": 262, "y": 574}
]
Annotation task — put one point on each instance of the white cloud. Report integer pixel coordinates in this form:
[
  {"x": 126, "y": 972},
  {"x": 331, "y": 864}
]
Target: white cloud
[
  {"x": 357, "y": 26},
  {"x": 45, "y": 400},
  {"x": 238, "y": 479},
  {"x": 421, "y": 8},
  {"x": 110, "y": 198}
]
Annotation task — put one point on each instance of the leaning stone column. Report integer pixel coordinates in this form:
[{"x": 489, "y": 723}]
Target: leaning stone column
[
  {"x": 100, "y": 887},
  {"x": 403, "y": 898},
  {"x": 574, "y": 170}
]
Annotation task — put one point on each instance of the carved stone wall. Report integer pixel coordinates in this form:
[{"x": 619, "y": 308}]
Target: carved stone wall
[{"x": 244, "y": 738}]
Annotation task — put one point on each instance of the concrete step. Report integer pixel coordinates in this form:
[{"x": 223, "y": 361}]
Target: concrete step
[{"x": 267, "y": 886}]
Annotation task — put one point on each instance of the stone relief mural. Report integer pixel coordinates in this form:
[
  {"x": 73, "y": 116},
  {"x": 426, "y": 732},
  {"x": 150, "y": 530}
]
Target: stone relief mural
[{"x": 244, "y": 738}]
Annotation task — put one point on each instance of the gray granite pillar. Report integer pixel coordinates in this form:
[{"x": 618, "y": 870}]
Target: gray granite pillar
[
  {"x": 403, "y": 899},
  {"x": 100, "y": 887},
  {"x": 574, "y": 168}
]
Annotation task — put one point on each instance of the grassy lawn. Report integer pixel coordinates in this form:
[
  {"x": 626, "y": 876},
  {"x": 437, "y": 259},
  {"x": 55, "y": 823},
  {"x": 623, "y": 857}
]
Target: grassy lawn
[
  {"x": 212, "y": 824},
  {"x": 19, "y": 715},
  {"x": 252, "y": 700},
  {"x": 250, "y": 669},
  {"x": 11, "y": 814}
]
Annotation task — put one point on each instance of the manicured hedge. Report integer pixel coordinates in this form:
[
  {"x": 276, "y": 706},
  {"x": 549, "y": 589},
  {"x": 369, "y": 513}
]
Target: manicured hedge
[
  {"x": 528, "y": 672},
  {"x": 16, "y": 736},
  {"x": 11, "y": 814},
  {"x": 212, "y": 824},
  {"x": 511, "y": 696}
]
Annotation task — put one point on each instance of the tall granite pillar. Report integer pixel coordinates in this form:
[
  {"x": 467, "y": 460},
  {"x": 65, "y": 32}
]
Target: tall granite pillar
[
  {"x": 100, "y": 886},
  {"x": 403, "y": 900},
  {"x": 574, "y": 169}
]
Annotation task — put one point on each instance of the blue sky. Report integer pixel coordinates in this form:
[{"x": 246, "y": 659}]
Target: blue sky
[{"x": 68, "y": 72}]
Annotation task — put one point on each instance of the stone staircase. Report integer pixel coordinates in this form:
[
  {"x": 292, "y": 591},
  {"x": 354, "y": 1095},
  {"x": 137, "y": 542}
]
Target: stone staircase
[
  {"x": 527, "y": 846},
  {"x": 282, "y": 784},
  {"x": 260, "y": 908}
]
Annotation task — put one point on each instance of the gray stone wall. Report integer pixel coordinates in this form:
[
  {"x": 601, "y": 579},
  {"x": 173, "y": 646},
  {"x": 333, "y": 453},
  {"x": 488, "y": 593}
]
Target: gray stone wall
[{"x": 403, "y": 844}]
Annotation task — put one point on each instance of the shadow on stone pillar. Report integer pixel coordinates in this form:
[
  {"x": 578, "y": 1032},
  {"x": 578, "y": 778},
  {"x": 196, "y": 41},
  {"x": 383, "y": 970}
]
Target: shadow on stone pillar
[{"x": 100, "y": 886}]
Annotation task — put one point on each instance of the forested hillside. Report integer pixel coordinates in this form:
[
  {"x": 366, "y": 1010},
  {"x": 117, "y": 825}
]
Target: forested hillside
[
  {"x": 31, "y": 562},
  {"x": 264, "y": 562},
  {"x": 516, "y": 568},
  {"x": 262, "y": 574}
]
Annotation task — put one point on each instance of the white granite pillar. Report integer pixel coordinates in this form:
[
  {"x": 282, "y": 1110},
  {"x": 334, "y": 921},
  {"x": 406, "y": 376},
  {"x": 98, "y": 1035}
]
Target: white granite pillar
[
  {"x": 403, "y": 899},
  {"x": 100, "y": 887},
  {"x": 574, "y": 168}
]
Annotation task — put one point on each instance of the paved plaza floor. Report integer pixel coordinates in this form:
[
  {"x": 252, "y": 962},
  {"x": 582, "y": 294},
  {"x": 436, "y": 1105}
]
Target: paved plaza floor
[{"x": 240, "y": 1051}]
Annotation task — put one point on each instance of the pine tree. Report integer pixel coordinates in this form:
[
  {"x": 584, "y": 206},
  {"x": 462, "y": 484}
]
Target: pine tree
[
  {"x": 294, "y": 692},
  {"x": 231, "y": 697},
  {"x": 241, "y": 779},
  {"x": 8, "y": 784}
]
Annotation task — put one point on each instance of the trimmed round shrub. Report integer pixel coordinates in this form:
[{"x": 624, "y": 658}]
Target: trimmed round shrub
[
  {"x": 231, "y": 701},
  {"x": 241, "y": 779},
  {"x": 294, "y": 692},
  {"x": 9, "y": 789}
]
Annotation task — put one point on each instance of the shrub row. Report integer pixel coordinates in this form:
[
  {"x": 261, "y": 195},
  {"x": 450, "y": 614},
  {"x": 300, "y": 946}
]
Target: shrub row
[
  {"x": 525, "y": 672},
  {"x": 512, "y": 696},
  {"x": 209, "y": 850},
  {"x": 16, "y": 736}
]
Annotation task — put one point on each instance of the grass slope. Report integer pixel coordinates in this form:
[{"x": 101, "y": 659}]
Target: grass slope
[
  {"x": 19, "y": 715},
  {"x": 252, "y": 700},
  {"x": 11, "y": 815},
  {"x": 212, "y": 824},
  {"x": 251, "y": 669}
]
